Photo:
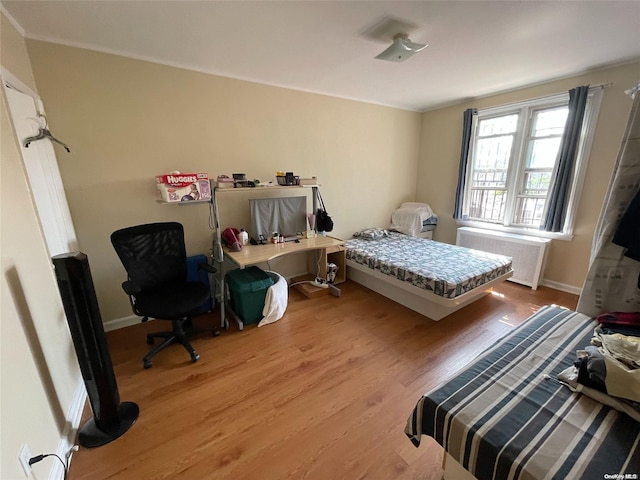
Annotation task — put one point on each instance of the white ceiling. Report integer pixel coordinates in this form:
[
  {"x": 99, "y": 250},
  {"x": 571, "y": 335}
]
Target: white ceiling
[{"x": 476, "y": 48}]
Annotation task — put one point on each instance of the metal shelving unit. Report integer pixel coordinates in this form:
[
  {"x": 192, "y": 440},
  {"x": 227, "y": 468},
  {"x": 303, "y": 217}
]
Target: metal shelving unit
[{"x": 217, "y": 250}]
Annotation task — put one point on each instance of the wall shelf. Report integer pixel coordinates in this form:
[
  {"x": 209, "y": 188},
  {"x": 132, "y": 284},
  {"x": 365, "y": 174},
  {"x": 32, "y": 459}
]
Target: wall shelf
[
  {"x": 190, "y": 202},
  {"x": 263, "y": 189}
]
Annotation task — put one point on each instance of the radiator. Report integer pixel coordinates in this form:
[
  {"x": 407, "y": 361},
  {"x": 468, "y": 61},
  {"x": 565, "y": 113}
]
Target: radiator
[{"x": 527, "y": 253}]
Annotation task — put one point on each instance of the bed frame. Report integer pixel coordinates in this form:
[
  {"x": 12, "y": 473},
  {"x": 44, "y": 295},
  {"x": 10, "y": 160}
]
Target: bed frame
[
  {"x": 506, "y": 414},
  {"x": 417, "y": 299},
  {"x": 453, "y": 470}
]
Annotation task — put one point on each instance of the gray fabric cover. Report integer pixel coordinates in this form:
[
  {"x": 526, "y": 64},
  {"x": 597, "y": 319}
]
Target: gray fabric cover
[{"x": 286, "y": 216}]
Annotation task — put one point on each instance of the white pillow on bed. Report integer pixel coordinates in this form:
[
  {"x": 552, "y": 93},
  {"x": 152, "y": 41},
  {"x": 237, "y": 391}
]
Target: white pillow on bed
[
  {"x": 371, "y": 233},
  {"x": 409, "y": 217}
]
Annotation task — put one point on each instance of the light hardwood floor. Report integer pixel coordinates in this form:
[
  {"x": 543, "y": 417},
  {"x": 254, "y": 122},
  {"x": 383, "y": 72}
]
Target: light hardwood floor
[{"x": 322, "y": 394}]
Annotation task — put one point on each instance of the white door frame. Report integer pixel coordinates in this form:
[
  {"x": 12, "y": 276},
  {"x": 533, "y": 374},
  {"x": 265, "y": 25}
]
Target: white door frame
[{"x": 43, "y": 174}]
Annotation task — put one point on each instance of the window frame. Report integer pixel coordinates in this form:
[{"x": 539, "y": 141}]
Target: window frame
[{"x": 526, "y": 109}]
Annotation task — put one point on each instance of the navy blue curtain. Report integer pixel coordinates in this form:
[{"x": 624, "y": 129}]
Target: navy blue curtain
[
  {"x": 564, "y": 171},
  {"x": 467, "y": 125}
]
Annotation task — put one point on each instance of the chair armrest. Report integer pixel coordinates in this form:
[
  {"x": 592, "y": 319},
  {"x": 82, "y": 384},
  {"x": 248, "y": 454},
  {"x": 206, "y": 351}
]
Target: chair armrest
[
  {"x": 207, "y": 268},
  {"x": 130, "y": 288}
]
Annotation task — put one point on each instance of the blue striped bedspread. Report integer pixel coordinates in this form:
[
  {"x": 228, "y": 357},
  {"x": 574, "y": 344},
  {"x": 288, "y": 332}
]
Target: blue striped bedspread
[
  {"x": 506, "y": 417},
  {"x": 446, "y": 270}
]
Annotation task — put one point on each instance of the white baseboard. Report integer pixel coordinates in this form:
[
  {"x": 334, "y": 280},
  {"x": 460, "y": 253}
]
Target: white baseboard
[
  {"x": 117, "y": 323},
  {"x": 563, "y": 287},
  {"x": 72, "y": 424}
]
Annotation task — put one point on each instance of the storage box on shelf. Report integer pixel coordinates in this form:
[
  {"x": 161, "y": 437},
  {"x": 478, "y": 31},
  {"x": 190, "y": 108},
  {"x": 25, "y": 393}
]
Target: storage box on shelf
[
  {"x": 183, "y": 187},
  {"x": 307, "y": 182},
  {"x": 223, "y": 181},
  {"x": 288, "y": 180}
]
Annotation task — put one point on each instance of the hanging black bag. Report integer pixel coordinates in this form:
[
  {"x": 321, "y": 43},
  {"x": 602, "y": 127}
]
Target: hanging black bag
[{"x": 323, "y": 220}]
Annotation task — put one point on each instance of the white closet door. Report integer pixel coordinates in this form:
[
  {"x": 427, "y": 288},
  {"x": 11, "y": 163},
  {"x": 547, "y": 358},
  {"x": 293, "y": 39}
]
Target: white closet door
[{"x": 44, "y": 176}]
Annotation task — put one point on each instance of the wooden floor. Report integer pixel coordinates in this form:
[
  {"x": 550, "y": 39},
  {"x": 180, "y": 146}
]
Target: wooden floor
[{"x": 324, "y": 393}]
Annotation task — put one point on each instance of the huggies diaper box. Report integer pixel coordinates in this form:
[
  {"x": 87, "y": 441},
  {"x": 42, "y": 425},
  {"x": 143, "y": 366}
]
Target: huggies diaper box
[{"x": 183, "y": 187}]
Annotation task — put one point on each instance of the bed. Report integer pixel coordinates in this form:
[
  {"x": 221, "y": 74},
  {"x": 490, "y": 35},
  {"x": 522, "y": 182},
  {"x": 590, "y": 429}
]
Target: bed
[
  {"x": 432, "y": 278},
  {"x": 506, "y": 416}
]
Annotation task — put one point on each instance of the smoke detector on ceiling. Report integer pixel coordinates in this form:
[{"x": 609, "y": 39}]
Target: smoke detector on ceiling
[{"x": 401, "y": 49}]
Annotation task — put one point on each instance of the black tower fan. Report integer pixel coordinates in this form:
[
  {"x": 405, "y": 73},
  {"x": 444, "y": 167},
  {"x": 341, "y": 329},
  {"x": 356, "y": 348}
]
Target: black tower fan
[{"x": 111, "y": 418}]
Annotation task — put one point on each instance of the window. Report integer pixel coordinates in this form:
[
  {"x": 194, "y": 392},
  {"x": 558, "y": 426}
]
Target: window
[{"x": 513, "y": 154}]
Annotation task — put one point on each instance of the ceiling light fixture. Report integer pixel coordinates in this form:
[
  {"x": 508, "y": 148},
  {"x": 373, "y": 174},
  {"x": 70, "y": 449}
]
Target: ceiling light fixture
[{"x": 401, "y": 49}]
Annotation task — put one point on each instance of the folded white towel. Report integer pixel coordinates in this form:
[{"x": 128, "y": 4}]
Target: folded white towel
[{"x": 275, "y": 302}]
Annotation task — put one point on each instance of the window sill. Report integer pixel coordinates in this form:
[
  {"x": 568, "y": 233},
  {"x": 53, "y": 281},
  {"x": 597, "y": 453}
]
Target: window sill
[{"x": 567, "y": 237}]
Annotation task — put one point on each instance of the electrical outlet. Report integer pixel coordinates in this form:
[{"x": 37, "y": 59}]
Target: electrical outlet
[{"x": 24, "y": 456}]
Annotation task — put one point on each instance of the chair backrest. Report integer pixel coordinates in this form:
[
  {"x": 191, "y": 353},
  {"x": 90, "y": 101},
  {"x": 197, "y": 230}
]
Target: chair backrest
[{"x": 153, "y": 254}]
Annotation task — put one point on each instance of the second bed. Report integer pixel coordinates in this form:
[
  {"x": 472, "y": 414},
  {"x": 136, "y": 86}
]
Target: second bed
[{"x": 432, "y": 278}]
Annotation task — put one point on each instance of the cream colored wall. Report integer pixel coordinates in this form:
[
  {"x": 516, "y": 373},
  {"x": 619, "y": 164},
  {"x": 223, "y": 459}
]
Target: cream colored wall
[
  {"x": 568, "y": 261},
  {"x": 39, "y": 372},
  {"x": 127, "y": 120}
]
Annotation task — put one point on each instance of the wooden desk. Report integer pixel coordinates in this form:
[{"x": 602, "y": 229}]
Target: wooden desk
[{"x": 253, "y": 254}]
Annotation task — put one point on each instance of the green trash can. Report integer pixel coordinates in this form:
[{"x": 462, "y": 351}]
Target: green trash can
[{"x": 248, "y": 288}]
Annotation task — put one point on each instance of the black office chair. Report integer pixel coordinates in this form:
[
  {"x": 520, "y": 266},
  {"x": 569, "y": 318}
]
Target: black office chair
[{"x": 155, "y": 259}]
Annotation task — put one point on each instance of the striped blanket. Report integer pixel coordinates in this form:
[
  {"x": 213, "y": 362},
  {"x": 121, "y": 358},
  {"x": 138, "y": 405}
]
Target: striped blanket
[{"x": 507, "y": 417}]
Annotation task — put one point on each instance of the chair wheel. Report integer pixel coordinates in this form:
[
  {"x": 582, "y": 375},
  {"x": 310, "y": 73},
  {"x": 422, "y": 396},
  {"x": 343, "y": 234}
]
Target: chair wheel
[
  {"x": 194, "y": 357},
  {"x": 149, "y": 340},
  {"x": 216, "y": 333},
  {"x": 147, "y": 364}
]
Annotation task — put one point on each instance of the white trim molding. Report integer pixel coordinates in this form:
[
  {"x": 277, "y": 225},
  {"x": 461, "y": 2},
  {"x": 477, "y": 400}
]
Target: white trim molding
[
  {"x": 118, "y": 323},
  {"x": 563, "y": 287},
  {"x": 72, "y": 425}
]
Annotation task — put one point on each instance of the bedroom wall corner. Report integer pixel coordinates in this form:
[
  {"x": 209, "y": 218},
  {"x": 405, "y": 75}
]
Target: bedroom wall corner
[{"x": 568, "y": 261}]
